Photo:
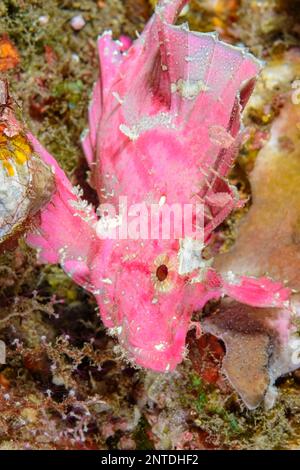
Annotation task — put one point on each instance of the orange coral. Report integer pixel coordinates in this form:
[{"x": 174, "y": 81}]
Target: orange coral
[{"x": 9, "y": 56}]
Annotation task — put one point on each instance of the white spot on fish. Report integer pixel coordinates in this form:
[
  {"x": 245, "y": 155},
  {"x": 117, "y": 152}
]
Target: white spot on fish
[
  {"x": 146, "y": 123},
  {"x": 117, "y": 97},
  {"x": 162, "y": 201},
  {"x": 189, "y": 89},
  {"x": 190, "y": 256}
]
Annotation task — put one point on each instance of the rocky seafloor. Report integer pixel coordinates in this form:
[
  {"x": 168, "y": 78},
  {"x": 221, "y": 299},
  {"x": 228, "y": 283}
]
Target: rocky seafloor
[{"x": 64, "y": 384}]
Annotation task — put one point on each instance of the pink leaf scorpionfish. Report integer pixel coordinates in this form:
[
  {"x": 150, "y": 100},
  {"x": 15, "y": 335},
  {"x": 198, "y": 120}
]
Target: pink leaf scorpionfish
[{"x": 163, "y": 128}]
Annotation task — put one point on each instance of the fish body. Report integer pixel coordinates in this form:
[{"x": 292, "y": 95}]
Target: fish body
[{"x": 164, "y": 127}]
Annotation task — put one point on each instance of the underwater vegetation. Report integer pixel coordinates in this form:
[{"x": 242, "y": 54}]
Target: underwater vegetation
[{"x": 146, "y": 132}]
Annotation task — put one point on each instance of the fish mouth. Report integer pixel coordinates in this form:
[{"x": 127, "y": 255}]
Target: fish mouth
[{"x": 162, "y": 356}]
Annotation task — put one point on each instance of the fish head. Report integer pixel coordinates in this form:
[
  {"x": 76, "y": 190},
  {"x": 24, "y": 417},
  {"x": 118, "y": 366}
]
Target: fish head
[{"x": 147, "y": 301}]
